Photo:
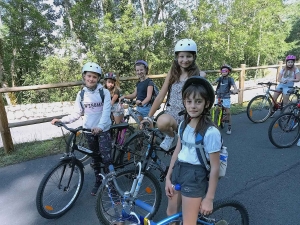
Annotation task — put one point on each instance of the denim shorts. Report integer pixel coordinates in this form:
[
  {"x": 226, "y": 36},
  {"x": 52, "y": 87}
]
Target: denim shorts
[
  {"x": 192, "y": 179},
  {"x": 117, "y": 110},
  {"x": 144, "y": 110},
  {"x": 284, "y": 87},
  {"x": 225, "y": 102}
]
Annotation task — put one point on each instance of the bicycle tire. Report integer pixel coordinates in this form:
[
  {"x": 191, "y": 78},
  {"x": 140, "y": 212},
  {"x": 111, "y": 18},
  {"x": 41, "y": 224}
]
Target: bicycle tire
[
  {"x": 120, "y": 156},
  {"x": 259, "y": 109},
  {"x": 284, "y": 130},
  {"x": 80, "y": 140},
  {"x": 224, "y": 213},
  {"x": 150, "y": 192},
  {"x": 53, "y": 199}
]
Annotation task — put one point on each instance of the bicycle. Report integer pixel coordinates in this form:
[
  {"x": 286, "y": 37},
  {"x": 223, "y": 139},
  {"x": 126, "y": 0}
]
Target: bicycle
[
  {"x": 261, "y": 107},
  {"x": 294, "y": 100},
  {"x": 284, "y": 130},
  {"x": 125, "y": 206},
  {"x": 139, "y": 183},
  {"x": 218, "y": 113},
  {"x": 62, "y": 184}
]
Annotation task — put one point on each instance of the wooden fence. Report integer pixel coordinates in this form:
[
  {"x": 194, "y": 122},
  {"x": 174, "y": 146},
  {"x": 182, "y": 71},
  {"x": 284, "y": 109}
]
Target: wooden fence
[{"x": 5, "y": 126}]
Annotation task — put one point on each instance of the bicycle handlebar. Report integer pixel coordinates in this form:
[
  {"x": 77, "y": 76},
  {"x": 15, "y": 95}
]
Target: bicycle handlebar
[
  {"x": 267, "y": 83},
  {"x": 73, "y": 130}
]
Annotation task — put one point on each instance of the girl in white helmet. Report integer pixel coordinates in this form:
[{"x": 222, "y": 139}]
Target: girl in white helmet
[
  {"x": 183, "y": 67},
  {"x": 93, "y": 101}
]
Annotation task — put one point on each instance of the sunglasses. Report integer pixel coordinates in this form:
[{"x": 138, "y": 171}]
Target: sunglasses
[{"x": 224, "y": 70}]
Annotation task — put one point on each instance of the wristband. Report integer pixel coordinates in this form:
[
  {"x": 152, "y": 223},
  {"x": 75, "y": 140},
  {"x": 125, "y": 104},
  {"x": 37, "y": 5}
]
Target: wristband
[{"x": 150, "y": 119}]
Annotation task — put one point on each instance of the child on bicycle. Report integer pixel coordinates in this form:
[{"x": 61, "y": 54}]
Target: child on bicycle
[
  {"x": 197, "y": 192},
  {"x": 184, "y": 66},
  {"x": 287, "y": 76},
  {"x": 96, "y": 113},
  {"x": 143, "y": 90},
  {"x": 224, "y": 84},
  {"x": 112, "y": 84}
]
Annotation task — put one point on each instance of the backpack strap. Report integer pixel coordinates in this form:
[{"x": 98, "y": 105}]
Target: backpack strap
[{"x": 101, "y": 92}]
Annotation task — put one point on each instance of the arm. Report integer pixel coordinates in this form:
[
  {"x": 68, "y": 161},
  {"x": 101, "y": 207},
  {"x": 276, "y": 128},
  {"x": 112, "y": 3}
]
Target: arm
[
  {"x": 114, "y": 98},
  {"x": 106, "y": 110},
  {"x": 130, "y": 96},
  {"x": 149, "y": 95},
  {"x": 169, "y": 188},
  {"x": 160, "y": 97},
  {"x": 297, "y": 76},
  {"x": 75, "y": 115}
]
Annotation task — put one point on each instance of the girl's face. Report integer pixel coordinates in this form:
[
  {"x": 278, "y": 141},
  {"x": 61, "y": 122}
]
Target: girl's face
[
  {"x": 185, "y": 59},
  {"x": 195, "y": 105},
  {"x": 110, "y": 83},
  {"x": 224, "y": 72},
  {"x": 140, "y": 71},
  {"x": 290, "y": 63},
  {"x": 90, "y": 79}
]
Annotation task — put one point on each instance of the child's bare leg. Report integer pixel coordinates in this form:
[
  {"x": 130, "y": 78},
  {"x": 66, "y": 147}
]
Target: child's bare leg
[
  {"x": 174, "y": 205},
  {"x": 167, "y": 124},
  {"x": 190, "y": 210}
]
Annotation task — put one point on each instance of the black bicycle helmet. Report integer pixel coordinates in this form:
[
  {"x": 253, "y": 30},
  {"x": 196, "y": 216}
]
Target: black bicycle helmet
[
  {"x": 227, "y": 67},
  {"x": 197, "y": 80}
]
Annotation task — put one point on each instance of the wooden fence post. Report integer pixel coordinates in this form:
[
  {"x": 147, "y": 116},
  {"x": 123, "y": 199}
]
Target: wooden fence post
[
  {"x": 4, "y": 130},
  {"x": 279, "y": 69},
  {"x": 242, "y": 84}
]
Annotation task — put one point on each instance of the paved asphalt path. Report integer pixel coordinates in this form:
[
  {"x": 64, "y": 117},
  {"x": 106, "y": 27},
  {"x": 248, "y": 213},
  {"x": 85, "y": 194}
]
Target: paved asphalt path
[{"x": 264, "y": 178}]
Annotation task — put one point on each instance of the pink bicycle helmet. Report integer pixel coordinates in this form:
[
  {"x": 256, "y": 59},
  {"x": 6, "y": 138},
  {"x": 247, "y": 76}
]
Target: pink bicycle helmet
[
  {"x": 110, "y": 75},
  {"x": 290, "y": 57}
]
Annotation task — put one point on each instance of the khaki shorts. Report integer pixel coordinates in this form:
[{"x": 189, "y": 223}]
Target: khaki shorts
[{"x": 192, "y": 179}]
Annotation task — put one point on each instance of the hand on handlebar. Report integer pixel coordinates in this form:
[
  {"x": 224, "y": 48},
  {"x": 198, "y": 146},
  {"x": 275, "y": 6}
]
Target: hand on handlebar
[
  {"x": 146, "y": 123},
  {"x": 96, "y": 130},
  {"x": 54, "y": 121}
]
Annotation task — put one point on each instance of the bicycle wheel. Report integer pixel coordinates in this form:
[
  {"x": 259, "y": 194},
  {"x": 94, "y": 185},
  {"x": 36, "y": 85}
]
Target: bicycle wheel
[
  {"x": 81, "y": 141},
  {"x": 109, "y": 212},
  {"x": 59, "y": 189},
  {"x": 284, "y": 130},
  {"x": 259, "y": 109},
  {"x": 120, "y": 157},
  {"x": 227, "y": 212},
  {"x": 133, "y": 150}
]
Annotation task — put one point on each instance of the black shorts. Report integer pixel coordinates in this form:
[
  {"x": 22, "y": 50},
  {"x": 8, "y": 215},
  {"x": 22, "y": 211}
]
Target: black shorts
[{"x": 192, "y": 179}]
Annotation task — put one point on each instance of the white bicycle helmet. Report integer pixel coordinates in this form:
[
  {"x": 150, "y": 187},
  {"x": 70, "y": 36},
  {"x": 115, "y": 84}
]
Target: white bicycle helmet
[
  {"x": 185, "y": 45},
  {"x": 92, "y": 67}
]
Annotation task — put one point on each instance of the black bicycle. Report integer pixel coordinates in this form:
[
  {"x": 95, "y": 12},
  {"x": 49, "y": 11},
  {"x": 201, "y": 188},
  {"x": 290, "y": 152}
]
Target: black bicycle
[{"x": 62, "y": 184}]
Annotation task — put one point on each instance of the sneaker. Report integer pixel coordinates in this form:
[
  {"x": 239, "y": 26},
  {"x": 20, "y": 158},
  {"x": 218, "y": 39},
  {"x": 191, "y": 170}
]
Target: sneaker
[
  {"x": 168, "y": 143},
  {"x": 228, "y": 131},
  {"x": 298, "y": 143}
]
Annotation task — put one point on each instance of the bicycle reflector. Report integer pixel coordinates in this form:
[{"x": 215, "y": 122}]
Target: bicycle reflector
[
  {"x": 148, "y": 190},
  {"x": 78, "y": 133},
  {"x": 48, "y": 207}
]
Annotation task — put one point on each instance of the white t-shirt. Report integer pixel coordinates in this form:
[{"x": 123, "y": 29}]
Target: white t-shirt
[
  {"x": 96, "y": 110},
  {"x": 212, "y": 143}
]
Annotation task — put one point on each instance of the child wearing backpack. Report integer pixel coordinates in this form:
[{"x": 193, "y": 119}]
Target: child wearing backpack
[
  {"x": 111, "y": 83},
  {"x": 143, "y": 90},
  {"x": 186, "y": 170},
  {"x": 287, "y": 76},
  {"x": 224, "y": 83},
  {"x": 183, "y": 66},
  {"x": 96, "y": 109}
]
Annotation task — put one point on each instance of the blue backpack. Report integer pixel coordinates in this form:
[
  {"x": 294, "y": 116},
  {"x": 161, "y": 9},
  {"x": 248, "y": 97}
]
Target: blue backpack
[{"x": 199, "y": 145}]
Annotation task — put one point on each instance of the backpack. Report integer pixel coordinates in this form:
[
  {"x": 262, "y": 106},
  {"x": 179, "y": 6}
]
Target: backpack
[
  {"x": 199, "y": 145},
  {"x": 101, "y": 92},
  {"x": 219, "y": 83},
  {"x": 155, "y": 92}
]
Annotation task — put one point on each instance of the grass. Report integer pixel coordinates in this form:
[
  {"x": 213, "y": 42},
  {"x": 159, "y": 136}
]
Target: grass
[{"x": 32, "y": 150}]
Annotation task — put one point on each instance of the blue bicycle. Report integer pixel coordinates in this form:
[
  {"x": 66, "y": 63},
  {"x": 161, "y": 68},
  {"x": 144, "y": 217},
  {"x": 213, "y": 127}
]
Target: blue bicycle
[{"x": 133, "y": 196}]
